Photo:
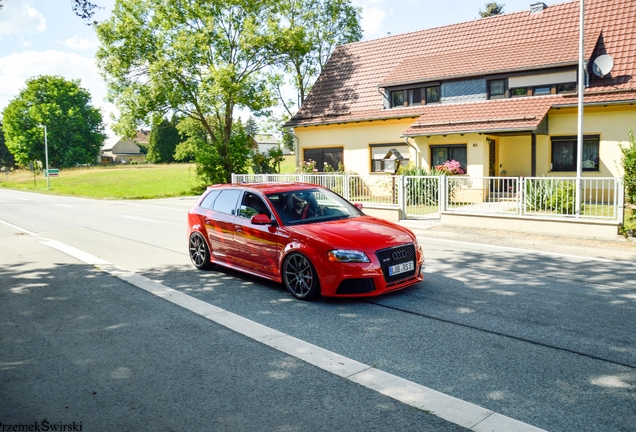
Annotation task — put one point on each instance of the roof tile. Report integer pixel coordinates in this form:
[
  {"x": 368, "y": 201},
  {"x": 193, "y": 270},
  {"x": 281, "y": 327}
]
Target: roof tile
[{"x": 347, "y": 90}]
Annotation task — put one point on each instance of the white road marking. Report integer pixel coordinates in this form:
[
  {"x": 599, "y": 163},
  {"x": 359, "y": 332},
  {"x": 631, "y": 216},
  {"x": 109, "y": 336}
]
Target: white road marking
[
  {"x": 65, "y": 205},
  {"x": 454, "y": 410},
  {"x": 18, "y": 228}
]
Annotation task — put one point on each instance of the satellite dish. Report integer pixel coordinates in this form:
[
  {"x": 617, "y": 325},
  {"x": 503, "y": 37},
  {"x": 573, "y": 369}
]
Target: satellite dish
[{"x": 602, "y": 65}]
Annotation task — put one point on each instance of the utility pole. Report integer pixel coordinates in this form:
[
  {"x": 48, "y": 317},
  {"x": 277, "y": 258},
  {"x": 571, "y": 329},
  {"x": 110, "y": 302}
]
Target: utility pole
[
  {"x": 581, "y": 93},
  {"x": 46, "y": 159}
]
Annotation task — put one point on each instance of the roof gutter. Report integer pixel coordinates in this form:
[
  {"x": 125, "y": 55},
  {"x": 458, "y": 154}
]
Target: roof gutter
[{"x": 485, "y": 131}]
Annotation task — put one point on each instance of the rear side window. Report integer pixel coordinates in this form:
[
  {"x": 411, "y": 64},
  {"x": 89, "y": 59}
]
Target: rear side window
[
  {"x": 209, "y": 199},
  {"x": 226, "y": 201}
]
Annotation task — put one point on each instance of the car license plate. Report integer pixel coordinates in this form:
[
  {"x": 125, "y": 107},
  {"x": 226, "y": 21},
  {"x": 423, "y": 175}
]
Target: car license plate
[{"x": 401, "y": 268}]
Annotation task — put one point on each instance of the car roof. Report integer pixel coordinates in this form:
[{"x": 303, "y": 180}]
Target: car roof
[{"x": 268, "y": 188}]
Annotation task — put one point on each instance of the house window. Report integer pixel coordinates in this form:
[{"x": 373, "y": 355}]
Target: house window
[
  {"x": 415, "y": 96},
  {"x": 541, "y": 91},
  {"x": 379, "y": 151},
  {"x": 566, "y": 87},
  {"x": 564, "y": 153},
  {"x": 330, "y": 156},
  {"x": 520, "y": 91},
  {"x": 397, "y": 98},
  {"x": 497, "y": 88},
  {"x": 433, "y": 94},
  {"x": 456, "y": 152}
]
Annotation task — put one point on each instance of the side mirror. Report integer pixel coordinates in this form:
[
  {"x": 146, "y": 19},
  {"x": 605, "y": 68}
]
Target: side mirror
[
  {"x": 358, "y": 206},
  {"x": 261, "y": 219}
]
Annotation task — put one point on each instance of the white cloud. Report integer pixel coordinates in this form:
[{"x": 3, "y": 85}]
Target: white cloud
[
  {"x": 15, "y": 69},
  {"x": 76, "y": 43},
  {"x": 373, "y": 17},
  {"x": 372, "y": 21},
  {"x": 20, "y": 19}
]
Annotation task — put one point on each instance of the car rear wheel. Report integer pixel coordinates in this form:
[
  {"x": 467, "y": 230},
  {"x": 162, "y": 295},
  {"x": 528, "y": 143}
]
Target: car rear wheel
[
  {"x": 300, "y": 277},
  {"x": 199, "y": 252}
]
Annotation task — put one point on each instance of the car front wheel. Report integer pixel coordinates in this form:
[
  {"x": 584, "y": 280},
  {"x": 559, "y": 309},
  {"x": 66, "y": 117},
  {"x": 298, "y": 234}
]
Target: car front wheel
[
  {"x": 199, "y": 252},
  {"x": 300, "y": 277}
]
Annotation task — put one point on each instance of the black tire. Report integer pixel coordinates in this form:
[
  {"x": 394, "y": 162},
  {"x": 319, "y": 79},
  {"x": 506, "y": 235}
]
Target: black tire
[
  {"x": 300, "y": 277},
  {"x": 199, "y": 252}
]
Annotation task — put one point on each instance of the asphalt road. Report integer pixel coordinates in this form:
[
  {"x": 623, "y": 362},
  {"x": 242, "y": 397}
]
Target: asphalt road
[{"x": 544, "y": 338}]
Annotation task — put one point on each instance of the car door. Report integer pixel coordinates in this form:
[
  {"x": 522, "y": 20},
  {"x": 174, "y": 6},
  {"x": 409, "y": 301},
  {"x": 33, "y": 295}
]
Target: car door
[
  {"x": 219, "y": 224},
  {"x": 257, "y": 246}
]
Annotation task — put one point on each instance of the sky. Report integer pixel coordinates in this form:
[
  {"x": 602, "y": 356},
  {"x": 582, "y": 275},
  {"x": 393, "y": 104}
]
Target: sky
[{"x": 45, "y": 37}]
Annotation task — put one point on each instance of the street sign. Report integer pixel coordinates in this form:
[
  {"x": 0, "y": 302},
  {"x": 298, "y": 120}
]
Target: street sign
[{"x": 54, "y": 172}]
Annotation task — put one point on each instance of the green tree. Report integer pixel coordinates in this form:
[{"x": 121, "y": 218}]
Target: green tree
[
  {"x": 310, "y": 30},
  {"x": 210, "y": 164},
  {"x": 492, "y": 9},
  {"x": 251, "y": 128},
  {"x": 6, "y": 158},
  {"x": 75, "y": 131},
  {"x": 201, "y": 59},
  {"x": 163, "y": 141}
]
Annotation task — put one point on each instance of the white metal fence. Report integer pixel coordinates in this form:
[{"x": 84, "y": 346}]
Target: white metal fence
[{"x": 428, "y": 196}]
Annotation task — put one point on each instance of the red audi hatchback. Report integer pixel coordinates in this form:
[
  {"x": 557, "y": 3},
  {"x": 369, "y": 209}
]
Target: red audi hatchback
[{"x": 305, "y": 236}]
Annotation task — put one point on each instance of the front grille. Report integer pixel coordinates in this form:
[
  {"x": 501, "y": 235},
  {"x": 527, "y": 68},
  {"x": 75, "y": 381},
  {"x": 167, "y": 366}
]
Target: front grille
[
  {"x": 355, "y": 286},
  {"x": 397, "y": 255}
]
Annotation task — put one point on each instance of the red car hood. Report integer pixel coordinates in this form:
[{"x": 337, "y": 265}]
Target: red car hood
[{"x": 362, "y": 233}]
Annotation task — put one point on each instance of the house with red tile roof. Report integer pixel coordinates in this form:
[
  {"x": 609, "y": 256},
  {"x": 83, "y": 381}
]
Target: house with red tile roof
[{"x": 497, "y": 94}]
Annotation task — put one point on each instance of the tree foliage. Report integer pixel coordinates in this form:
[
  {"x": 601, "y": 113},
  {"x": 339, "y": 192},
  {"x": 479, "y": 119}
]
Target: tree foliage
[
  {"x": 492, "y": 9},
  {"x": 267, "y": 163},
  {"x": 6, "y": 158},
  {"x": 85, "y": 10},
  {"x": 202, "y": 59},
  {"x": 163, "y": 141},
  {"x": 629, "y": 168},
  {"x": 209, "y": 162},
  {"x": 310, "y": 31},
  {"x": 75, "y": 131}
]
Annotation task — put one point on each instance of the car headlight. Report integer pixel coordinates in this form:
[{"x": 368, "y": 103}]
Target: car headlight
[{"x": 347, "y": 256}]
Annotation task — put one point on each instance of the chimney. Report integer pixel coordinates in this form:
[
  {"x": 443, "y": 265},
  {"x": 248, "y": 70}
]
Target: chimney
[{"x": 537, "y": 7}]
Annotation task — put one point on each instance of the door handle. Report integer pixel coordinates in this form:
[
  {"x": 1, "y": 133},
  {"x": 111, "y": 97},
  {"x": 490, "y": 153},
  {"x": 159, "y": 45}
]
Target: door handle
[{"x": 238, "y": 229}]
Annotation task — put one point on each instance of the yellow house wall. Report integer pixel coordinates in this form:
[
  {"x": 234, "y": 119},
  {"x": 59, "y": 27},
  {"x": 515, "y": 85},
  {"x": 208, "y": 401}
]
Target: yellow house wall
[
  {"x": 515, "y": 156},
  {"x": 513, "y": 153},
  {"x": 610, "y": 122},
  {"x": 355, "y": 139}
]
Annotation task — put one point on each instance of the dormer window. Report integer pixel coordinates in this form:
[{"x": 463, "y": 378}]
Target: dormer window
[
  {"x": 415, "y": 96},
  {"x": 532, "y": 84}
]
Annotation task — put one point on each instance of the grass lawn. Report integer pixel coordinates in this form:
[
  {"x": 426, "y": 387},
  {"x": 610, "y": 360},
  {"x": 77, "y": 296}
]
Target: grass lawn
[
  {"x": 120, "y": 181},
  {"x": 117, "y": 182}
]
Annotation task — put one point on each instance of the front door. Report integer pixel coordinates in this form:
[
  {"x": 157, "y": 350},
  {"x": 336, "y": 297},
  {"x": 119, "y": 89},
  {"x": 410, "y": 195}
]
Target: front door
[{"x": 492, "y": 159}]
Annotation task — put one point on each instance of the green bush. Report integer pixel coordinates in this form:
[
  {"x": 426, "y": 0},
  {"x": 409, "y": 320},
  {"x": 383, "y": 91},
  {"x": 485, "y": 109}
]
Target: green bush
[
  {"x": 423, "y": 191},
  {"x": 629, "y": 167},
  {"x": 556, "y": 196}
]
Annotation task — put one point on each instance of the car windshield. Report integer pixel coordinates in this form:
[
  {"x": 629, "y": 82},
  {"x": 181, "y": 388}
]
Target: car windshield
[{"x": 311, "y": 205}]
